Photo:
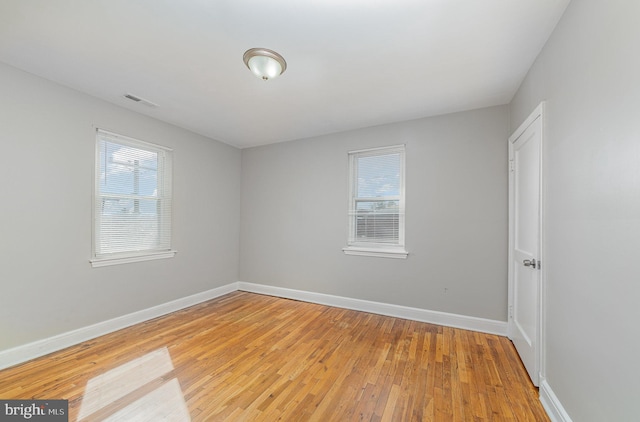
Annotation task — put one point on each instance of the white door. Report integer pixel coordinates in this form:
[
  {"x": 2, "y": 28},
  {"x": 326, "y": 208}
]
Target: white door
[{"x": 525, "y": 324}]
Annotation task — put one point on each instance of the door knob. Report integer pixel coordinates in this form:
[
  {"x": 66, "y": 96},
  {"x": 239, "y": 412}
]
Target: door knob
[{"x": 529, "y": 263}]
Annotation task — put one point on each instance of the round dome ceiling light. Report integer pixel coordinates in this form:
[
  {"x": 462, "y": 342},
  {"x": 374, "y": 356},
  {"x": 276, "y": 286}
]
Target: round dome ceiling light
[{"x": 264, "y": 63}]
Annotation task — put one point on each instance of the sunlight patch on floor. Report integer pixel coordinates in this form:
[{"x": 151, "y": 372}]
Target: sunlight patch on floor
[{"x": 163, "y": 403}]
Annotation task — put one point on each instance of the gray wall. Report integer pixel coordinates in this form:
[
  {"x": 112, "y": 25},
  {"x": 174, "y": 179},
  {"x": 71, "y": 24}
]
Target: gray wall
[
  {"x": 46, "y": 177},
  {"x": 589, "y": 73},
  {"x": 294, "y": 221}
]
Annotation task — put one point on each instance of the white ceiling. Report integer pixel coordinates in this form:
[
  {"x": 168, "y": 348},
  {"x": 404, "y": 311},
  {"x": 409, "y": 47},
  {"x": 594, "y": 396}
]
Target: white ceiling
[{"x": 351, "y": 63}]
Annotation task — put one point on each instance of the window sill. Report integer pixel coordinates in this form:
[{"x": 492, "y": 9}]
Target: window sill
[
  {"x": 397, "y": 253},
  {"x": 126, "y": 259}
]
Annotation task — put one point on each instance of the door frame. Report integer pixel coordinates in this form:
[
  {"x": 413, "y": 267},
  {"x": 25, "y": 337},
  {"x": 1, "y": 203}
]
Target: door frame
[{"x": 538, "y": 112}]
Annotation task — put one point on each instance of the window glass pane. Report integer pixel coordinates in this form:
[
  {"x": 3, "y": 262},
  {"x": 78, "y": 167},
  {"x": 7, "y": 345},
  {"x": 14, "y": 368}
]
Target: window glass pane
[
  {"x": 377, "y": 221},
  {"x": 128, "y": 231},
  {"x": 378, "y": 175},
  {"x": 127, "y": 170}
]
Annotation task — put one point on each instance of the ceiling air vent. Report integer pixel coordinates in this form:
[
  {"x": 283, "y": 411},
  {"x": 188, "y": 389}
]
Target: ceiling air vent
[{"x": 140, "y": 100}]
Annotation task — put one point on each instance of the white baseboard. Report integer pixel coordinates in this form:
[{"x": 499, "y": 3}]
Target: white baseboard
[
  {"x": 416, "y": 314},
  {"x": 551, "y": 404},
  {"x": 20, "y": 354}
]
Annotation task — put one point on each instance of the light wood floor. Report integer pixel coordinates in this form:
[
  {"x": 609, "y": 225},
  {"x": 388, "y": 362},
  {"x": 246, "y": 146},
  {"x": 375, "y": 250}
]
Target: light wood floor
[{"x": 251, "y": 357}]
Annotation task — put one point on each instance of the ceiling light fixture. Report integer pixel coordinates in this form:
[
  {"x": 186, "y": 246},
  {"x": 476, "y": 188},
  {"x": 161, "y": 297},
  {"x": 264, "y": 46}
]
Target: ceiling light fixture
[{"x": 264, "y": 63}]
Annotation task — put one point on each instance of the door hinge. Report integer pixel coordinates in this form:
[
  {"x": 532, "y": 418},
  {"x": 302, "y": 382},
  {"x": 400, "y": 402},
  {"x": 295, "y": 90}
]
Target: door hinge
[
  {"x": 511, "y": 312},
  {"x": 512, "y": 165}
]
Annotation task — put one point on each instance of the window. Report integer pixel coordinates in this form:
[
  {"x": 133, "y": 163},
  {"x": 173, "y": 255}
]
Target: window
[
  {"x": 132, "y": 211},
  {"x": 376, "y": 202}
]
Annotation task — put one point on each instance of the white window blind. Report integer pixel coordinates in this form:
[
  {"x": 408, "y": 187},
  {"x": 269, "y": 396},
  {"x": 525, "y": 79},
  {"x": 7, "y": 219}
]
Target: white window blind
[
  {"x": 133, "y": 199},
  {"x": 376, "y": 203}
]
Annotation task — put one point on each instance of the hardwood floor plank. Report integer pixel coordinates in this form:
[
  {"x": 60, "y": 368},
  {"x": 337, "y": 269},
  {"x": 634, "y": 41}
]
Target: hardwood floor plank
[{"x": 251, "y": 357}]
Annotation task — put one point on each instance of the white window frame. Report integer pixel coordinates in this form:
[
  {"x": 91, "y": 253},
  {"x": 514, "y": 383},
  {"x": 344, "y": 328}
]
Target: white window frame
[
  {"x": 99, "y": 258},
  {"x": 368, "y": 248}
]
